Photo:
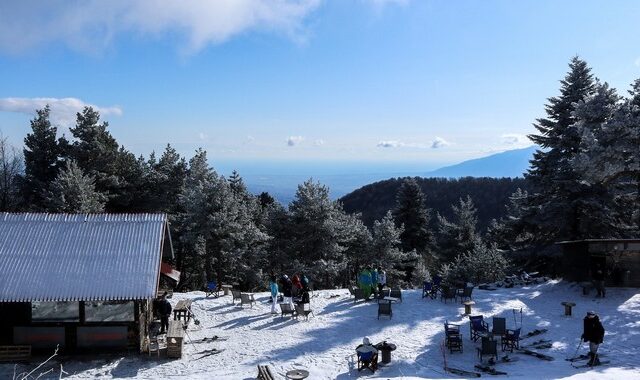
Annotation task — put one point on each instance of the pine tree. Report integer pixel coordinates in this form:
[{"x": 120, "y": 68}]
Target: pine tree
[
  {"x": 460, "y": 234},
  {"x": 610, "y": 155},
  {"x": 413, "y": 216},
  {"x": 220, "y": 224},
  {"x": 74, "y": 192},
  {"x": 97, "y": 154},
  {"x": 385, "y": 247},
  {"x": 551, "y": 176},
  {"x": 316, "y": 235},
  {"x": 42, "y": 158}
]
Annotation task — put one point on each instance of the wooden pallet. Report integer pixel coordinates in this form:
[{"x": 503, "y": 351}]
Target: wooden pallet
[
  {"x": 15, "y": 353},
  {"x": 175, "y": 338}
]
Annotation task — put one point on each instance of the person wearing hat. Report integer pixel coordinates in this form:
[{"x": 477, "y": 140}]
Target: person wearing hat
[
  {"x": 368, "y": 354},
  {"x": 594, "y": 334}
]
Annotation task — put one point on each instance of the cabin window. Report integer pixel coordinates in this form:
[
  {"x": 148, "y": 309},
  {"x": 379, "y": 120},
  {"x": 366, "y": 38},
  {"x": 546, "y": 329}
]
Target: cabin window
[
  {"x": 109, "y": 311},
  {"x": 61, "y": 311}
]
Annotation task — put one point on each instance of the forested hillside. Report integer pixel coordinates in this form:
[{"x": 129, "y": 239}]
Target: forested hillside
[{"x": 490, "y": 196}]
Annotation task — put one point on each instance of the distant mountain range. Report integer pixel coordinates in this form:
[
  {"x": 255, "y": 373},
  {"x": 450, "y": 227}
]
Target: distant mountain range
[{"x": 512, "y": 163}]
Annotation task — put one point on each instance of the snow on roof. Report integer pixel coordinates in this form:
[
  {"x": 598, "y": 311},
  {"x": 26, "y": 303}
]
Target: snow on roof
[{"x": 74, "y": 257}]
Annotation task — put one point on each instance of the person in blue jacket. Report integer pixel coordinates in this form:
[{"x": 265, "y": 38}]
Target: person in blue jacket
[{"x": 273, "y": 286}]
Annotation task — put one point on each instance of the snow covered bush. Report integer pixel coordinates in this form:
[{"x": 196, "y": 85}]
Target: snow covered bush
[{"x": 484, "y": 263}]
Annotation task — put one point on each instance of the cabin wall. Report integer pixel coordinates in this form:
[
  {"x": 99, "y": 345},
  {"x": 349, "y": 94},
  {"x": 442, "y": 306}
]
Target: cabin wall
[{"x": 17, "y": 326}]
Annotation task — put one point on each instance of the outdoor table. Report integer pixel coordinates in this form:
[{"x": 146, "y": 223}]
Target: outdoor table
[
  {"x": 297, "y": 374},
  {"x": 227, "y": 289},
  {"x": 386, "y": 349},
  {"x": 567, "y": 307},
  {"x": 467, "y": 307}
]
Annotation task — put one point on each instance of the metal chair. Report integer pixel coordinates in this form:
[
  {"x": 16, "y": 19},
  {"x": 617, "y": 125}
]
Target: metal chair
[{"x": 384, "y": 308}]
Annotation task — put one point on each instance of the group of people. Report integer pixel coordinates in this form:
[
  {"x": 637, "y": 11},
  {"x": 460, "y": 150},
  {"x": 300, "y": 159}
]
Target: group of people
[
  {"x": 296, "y": 286},
  {"x": 371, "y": 281}
]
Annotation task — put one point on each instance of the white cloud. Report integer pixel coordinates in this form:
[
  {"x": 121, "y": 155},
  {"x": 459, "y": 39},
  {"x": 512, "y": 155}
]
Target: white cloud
[
  {"x": 318, "y": 142},
  {"x": 637, "y": 62},
  {"x": 294, "y": 140},
  {"x": 91, "y": 25},
  {"x": 439, "y": 142},
  {"x": 390, "y": 144},
  {"x": 515, "y": 139},
  {"x": 63, "y": 110},
  {"x": 203, "y": 136}
]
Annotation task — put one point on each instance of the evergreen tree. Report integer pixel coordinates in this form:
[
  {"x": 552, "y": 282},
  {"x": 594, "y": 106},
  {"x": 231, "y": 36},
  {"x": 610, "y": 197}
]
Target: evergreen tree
[
  {"x": 511, "y": 232},
  {"x": 610, "y": 155},
  {"x": 412, "y": 215},
  {"x": 460, "y": 234},
  {"x": 220, "y": 224},
  {"x": 594, "y": 207},
  {"x": 42, "y": 157},
  {"x": 385, "y": 247},
  {"x": 74, "y": 192},
  {"x": 316, "y": 235},
  {"x": 554, "y": 212},
  {"x": 98, "y": 154},
  {"x": 11, "y": 170}
]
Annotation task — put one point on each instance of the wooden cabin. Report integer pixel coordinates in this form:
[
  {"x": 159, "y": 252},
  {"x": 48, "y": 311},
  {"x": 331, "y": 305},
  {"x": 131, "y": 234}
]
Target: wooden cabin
[
  {"x": 619, "y": 257},
  {"x": 84, "y": 282}
]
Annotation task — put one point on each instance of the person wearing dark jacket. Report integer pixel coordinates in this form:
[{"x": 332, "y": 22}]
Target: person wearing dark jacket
[
  {"x": 164, "y": 309},
  {"x": 598, "y": 280},
  {"x": 287, "y": 285},
  {"x": 594, "y": 334}
]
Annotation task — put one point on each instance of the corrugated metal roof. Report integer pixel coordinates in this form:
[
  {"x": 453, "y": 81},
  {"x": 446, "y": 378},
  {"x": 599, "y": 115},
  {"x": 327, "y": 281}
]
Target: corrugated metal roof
[{"x": 75, "y": 257}]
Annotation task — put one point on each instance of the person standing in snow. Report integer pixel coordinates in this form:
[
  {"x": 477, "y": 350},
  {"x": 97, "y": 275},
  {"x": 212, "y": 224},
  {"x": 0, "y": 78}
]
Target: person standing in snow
[
  {"x": 374, "y": 281},
  {"x": 365, "y": 282},
  {"x": 594, "y": 334},
  {"x": 305, "y": 282},
  {"x": 297, "y": 285},
  {"x": 273, "y": 286},
  {"x": 598, "y": 280},
  {"x": 382, "y": 279},
  {"x": 286, "y": 289},
  {"x": 164, "y": 309}
]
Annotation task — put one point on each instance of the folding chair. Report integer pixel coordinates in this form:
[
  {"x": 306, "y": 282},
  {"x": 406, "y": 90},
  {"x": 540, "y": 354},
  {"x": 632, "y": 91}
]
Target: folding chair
[
  {"x": 511, "y": 340},
  {"x": 212, "y": 289},
  {"x": 478, "y": 327},
  {"x": 367, "y": 360},
  {"x": 488, "y": 347}
]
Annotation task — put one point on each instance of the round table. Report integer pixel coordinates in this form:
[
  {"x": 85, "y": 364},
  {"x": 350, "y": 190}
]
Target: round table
[
  {"x": 297, "y": 374},
  {"x": 386, "y": 349}
]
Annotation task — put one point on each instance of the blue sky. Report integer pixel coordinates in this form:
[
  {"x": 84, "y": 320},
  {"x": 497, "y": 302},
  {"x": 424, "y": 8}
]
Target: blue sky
[{"x": 421, "y": 82}]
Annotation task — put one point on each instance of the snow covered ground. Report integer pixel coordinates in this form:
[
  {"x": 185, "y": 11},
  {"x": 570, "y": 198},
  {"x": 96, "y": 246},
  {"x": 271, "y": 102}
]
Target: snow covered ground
[{"x": 325, "y": 344}]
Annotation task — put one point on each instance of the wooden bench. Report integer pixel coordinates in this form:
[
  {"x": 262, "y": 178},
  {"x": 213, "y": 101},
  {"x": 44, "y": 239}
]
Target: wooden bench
[
  {"x": 175, "y": 339},
  {"x": 264, "y": 373},
  {"x": 15, "y": 353},
  {"x": 182, "y": 311}
]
